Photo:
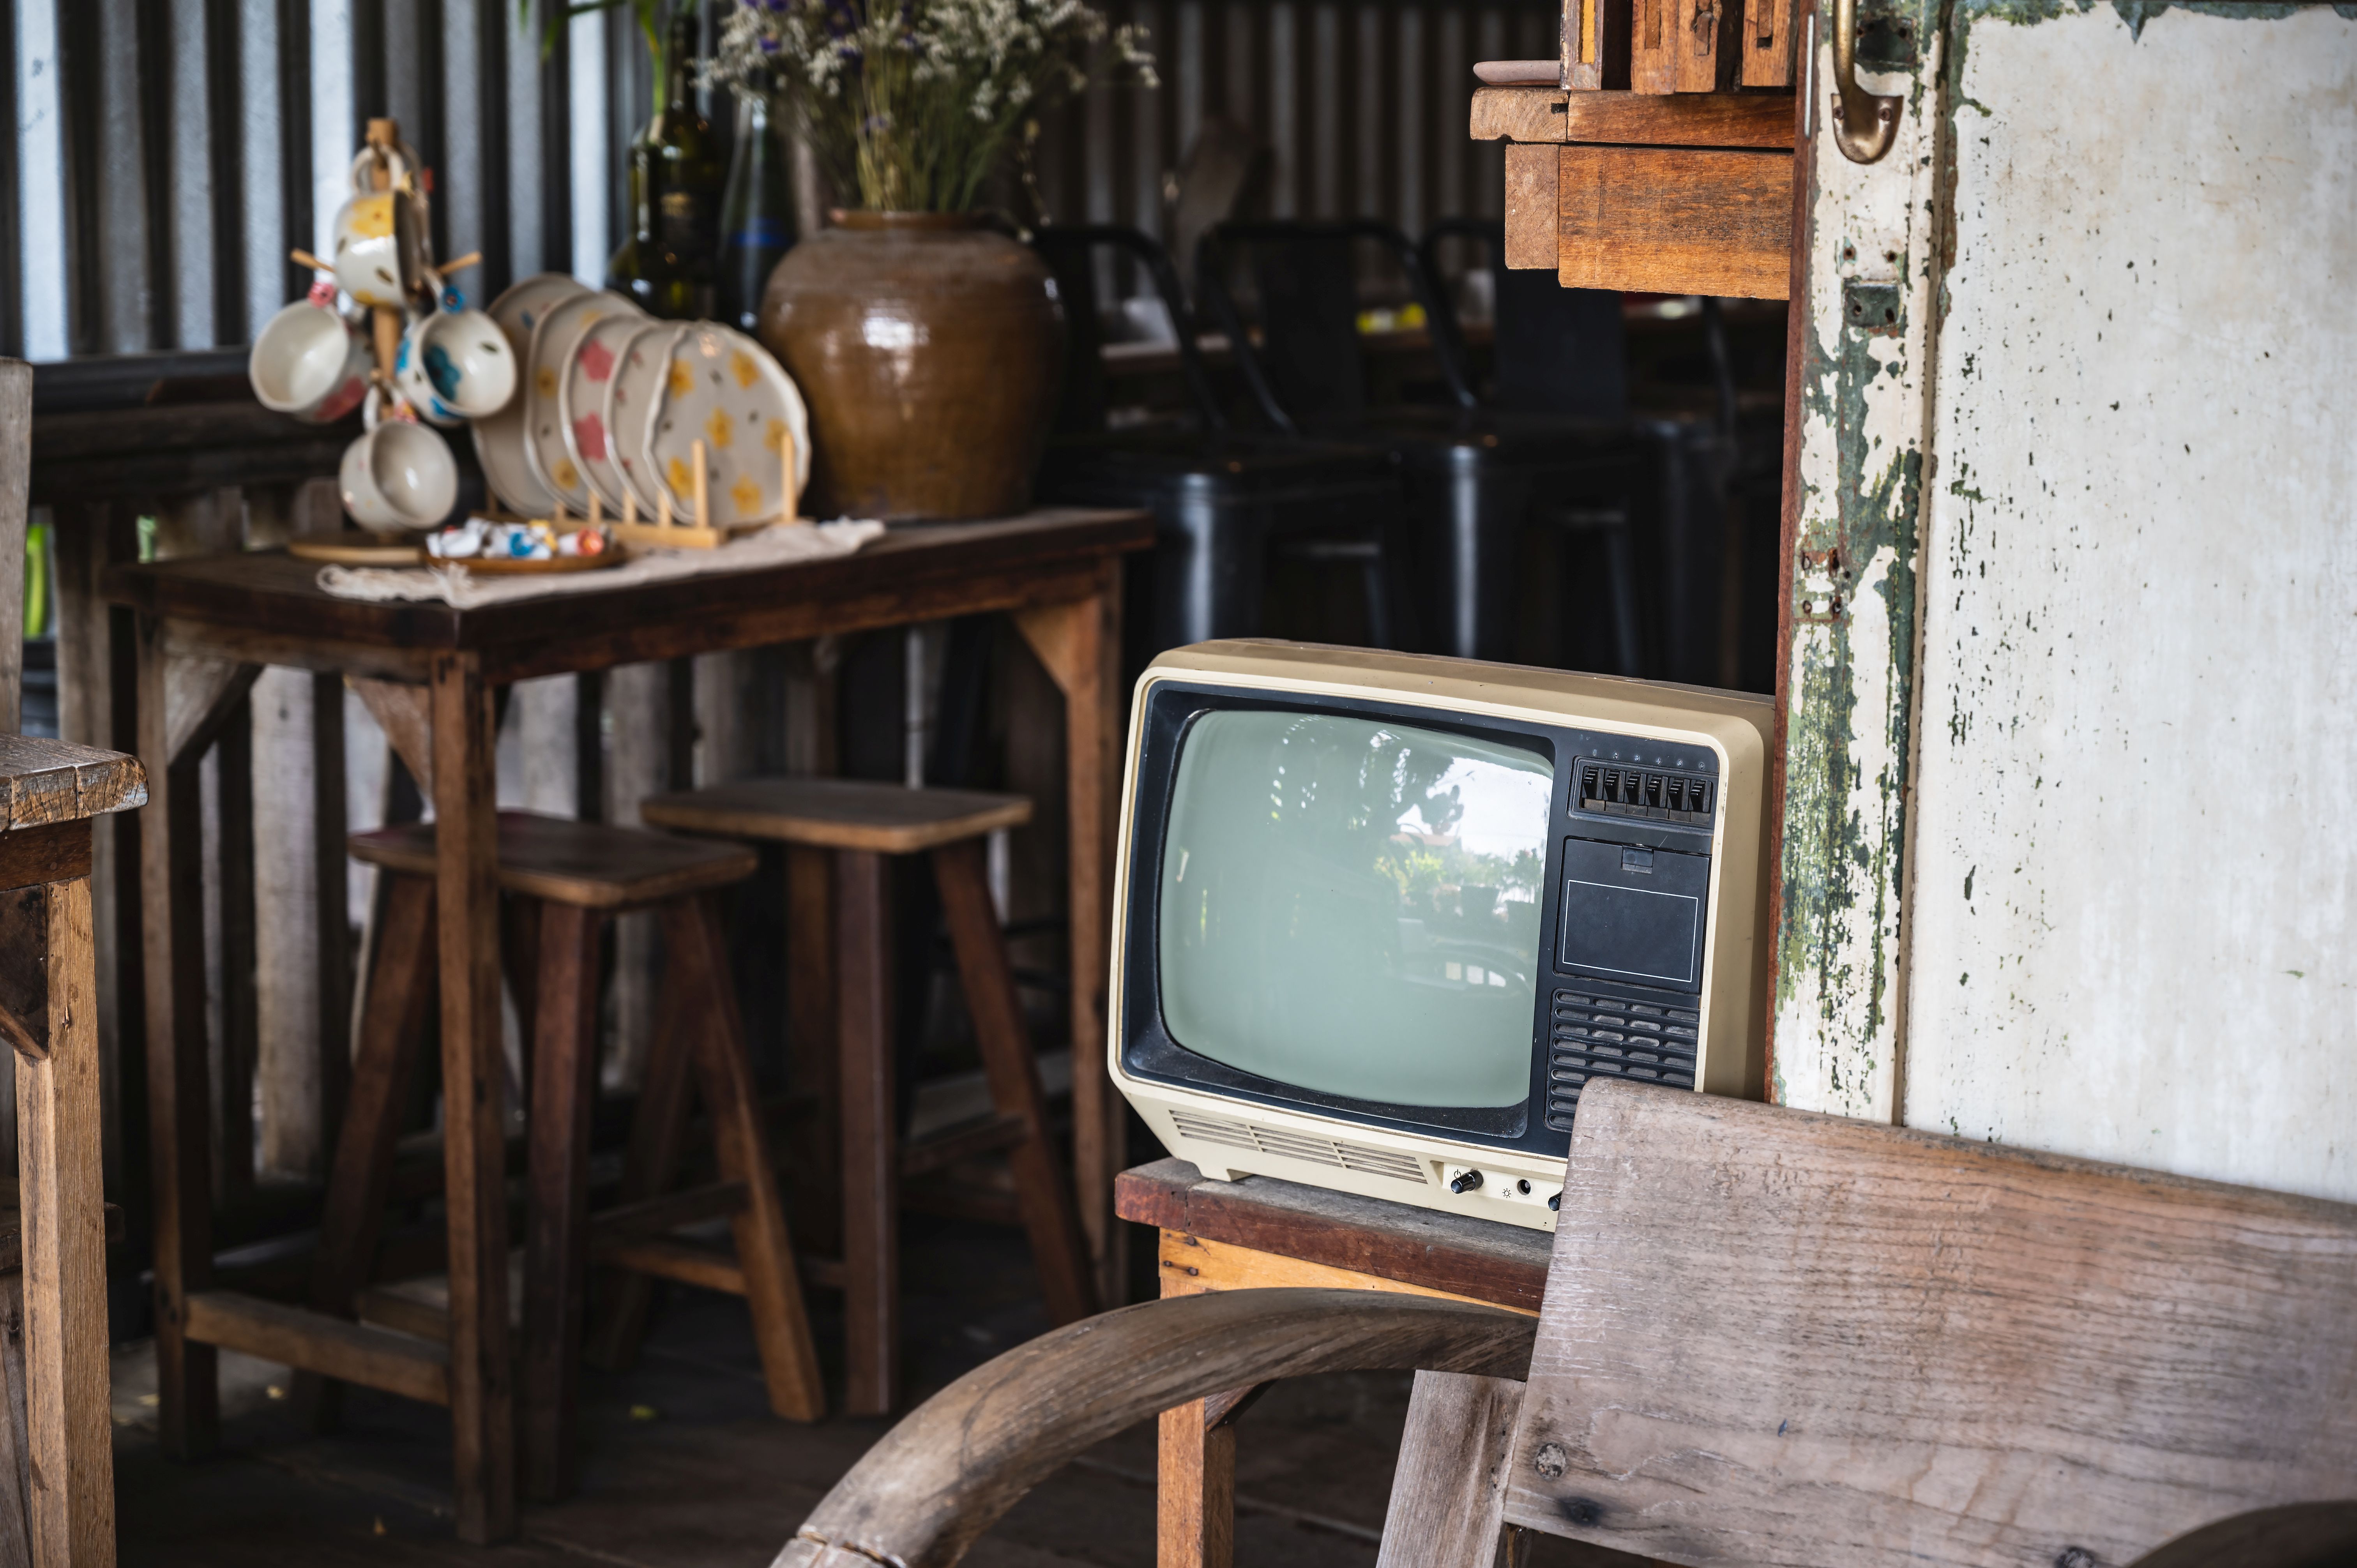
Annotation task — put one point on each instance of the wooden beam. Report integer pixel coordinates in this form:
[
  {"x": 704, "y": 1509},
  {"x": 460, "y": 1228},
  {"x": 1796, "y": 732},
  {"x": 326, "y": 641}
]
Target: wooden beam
[
  {"x": 1675, "y": 221},
  {"x": 349, "y": 1352},
  {"x": 1633, "y": 119},
  {"x": 200, "y": 695},
  {"x": 406, "y": 714},
  {"x": 70, "y": 1435},
  {"x": 1449, "y": 1490},
  {"x": 664, "y": 1257}
]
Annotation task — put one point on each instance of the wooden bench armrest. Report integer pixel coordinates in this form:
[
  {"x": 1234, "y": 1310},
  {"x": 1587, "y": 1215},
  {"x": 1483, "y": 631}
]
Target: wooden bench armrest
[{"x": 948, "y": 1471}]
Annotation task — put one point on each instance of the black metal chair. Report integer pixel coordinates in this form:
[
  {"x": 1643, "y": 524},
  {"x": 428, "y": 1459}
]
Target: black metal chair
[
  {"x": 1224, "y": 500},
  {"x": 1477, "y": 476}
]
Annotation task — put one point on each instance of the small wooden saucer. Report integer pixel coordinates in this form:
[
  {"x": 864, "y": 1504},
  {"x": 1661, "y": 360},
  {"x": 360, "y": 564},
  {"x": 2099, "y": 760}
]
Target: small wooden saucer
[
  {"x": 357, "y": 547},
  {"x": 509, "y": 566}
]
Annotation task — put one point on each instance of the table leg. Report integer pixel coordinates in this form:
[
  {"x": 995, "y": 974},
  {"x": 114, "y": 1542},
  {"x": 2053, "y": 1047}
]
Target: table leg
[
  {"x": 483, "y": 1401},
  {"x": 1080, "y": 645},
  {"x": 70, "y": 1503},
  {"x": 564, "y": 1084},
  {"x": 1195, "y": 1490},
  {"x": 871, "y": 1156},
  {"x": 181, "y": 710}
]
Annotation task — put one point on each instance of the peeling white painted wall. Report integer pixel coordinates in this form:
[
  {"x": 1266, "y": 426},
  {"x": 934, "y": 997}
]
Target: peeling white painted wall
[
  {"x": 2133, "y": 929},
  {"x": 1835, "y": 1023}
]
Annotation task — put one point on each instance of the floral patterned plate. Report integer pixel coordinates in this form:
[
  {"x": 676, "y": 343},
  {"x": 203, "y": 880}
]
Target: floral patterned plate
[
  {"x": 634, "y": 391},
  {"x": 552, "y": 343},
  {"x": 581, "y": 404},
  {"x": 498, "y": 440},
  {"x": 725, "y": 390}
]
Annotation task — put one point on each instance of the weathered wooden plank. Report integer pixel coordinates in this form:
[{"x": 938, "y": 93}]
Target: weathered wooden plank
[
  {"x": 943, "y": 1474},
  {"x": 55, "y": 781},
  {"x": 1504, "y": 1266},
  {"x": 1768, "y": 31},
  {"x": 61, "y": 1197},
  {"x": 1190, "y": 1263},
  {"x": 52, "y": 853},
  {"x": 1534, "y": 220},
  {"x": 1676, "y": 220},
  {"x": 1937, "y": 1347},
  {"x": 360, "y": 1353},
  {"x": 1675, "y": 46},
  {"x": 1638, "y": 119},
  {"x": 1449, "y": 1490},
  {"x": 15, "y": 477}
]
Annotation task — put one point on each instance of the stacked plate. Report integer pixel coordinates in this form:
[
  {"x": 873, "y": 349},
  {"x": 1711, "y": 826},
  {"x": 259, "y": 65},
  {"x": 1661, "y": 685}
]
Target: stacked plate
[{"x": 614, "y": 402}]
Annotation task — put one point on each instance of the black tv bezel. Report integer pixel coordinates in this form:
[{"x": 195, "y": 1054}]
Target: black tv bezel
[{"x": 1148, "y": 1050}]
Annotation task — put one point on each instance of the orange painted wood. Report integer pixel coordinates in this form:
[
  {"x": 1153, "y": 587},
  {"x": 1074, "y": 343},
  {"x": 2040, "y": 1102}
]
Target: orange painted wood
[{"x": 1675, "y": 221}]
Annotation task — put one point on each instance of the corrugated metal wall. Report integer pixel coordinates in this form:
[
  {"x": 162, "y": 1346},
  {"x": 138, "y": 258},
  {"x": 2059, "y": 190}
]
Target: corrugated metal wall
[{"x": 169, "y": 151}]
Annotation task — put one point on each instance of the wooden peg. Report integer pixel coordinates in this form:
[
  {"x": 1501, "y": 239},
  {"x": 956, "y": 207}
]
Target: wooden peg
[
  {"x": 306, "y": 259},
  {"x": 629, "y": 504},
  {"x": 388, "y": 323},
  {"x": 460, "y": 263},
  {"x": 662, "y": 505},
  {"x": 703, "y": 503},
  {"x": 597, "y": 514}
]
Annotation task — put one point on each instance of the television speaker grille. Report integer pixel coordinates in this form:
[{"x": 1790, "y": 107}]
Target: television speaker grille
[
  {"x": 1605, "y": 1036},
  {"x": 1311, "y": 1150}
]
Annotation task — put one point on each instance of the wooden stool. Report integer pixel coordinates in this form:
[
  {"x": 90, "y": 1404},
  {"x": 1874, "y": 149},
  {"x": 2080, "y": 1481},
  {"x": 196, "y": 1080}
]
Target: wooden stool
[
  {"x": 565, "y": 879},
  {"x": 858, "y": 824}
]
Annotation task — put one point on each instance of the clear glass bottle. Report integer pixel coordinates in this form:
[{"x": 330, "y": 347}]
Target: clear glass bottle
[
  {"x": 667, "y": 262},
  {"x": 757, "y": 215}
]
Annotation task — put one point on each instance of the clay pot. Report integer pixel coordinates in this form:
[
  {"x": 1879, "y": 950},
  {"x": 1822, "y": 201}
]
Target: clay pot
[{"x": 930, "y": 350}]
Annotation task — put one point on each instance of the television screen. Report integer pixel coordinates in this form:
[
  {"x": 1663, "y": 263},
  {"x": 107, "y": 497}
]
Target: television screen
[{"x": 1351, "y": 906}]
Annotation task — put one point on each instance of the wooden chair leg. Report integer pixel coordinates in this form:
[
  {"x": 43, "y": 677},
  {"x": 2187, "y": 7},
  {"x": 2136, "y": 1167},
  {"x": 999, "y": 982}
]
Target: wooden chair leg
[
  {"x": 1195, "y": 1490},
  {"x": 557, "y": 1226},
  {"x": 1449, "y": 1494},
  {"x": 1049, "y": 1215},
  {"x": 764, "y": 1248},
  {"x": 871, "y": 1158},
  {"x": 401, "y": 992},
  {"x": 814, "y": 1162},
  {"x": 658, "y": 1139},
  {"x": 520, "y": 966}
]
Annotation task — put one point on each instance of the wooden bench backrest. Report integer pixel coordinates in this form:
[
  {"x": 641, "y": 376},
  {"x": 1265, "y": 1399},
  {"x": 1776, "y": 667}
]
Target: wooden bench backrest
[{"x": 1775, "y": 1338}]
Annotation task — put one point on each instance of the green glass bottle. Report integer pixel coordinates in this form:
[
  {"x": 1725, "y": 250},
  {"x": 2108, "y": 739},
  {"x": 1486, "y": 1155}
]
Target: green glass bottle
[
  {"x": 667, "y": 262},
  {"x": 757, "y": 216}
]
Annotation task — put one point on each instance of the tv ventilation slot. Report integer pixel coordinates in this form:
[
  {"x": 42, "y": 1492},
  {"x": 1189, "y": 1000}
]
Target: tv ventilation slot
[
  {"x": 1309, "y": 1149},
  {"x": 1604, "y": 1036}
]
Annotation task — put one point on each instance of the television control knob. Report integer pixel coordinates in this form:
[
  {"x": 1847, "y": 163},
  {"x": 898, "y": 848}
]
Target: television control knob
[
  {"x": 1464, "y": 1181},
  {"x": 1555, "y": 1204}
]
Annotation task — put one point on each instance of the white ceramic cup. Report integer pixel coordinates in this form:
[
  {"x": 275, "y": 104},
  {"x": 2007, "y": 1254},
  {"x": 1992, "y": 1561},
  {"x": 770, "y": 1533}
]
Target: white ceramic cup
[
  {"x": 310, "y": 363},
  {"x": 398, "y": 474},
  {"x": 455, "y": 364},
  {"x": 378, "y": 256}
]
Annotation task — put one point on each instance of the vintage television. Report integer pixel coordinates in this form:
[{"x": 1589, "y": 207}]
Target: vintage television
[{"x": 1380, "y": 917}]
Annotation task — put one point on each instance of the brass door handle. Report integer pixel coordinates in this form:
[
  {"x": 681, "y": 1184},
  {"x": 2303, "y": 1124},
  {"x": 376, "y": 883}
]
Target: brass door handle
[{"x": 1865, "y": 124}]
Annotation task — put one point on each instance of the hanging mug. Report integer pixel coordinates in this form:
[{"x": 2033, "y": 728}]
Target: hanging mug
[
  {"x": 398, "y": 474},
  {"x": 378, "y": 254},
  {"x": 310, "y": 361},
  {"x": 455, "y": 364}
]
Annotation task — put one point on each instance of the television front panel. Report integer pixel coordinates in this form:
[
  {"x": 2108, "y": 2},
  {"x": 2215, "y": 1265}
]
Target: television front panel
[{"x": 1380, "y": 917}]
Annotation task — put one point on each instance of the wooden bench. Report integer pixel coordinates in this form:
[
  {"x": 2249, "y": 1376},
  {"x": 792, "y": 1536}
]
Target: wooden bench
[{"x": 1768, "y": 1337}]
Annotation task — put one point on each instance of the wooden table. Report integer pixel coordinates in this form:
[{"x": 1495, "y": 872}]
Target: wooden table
[
  {"x": 207, "y": 626},
  {"x": 57, "y": 1487},
  {"x": 1260, "y": 1233}
]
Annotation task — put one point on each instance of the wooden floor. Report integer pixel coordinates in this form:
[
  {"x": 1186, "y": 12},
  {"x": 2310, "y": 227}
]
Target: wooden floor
[{"x": 684, "y": 1468}]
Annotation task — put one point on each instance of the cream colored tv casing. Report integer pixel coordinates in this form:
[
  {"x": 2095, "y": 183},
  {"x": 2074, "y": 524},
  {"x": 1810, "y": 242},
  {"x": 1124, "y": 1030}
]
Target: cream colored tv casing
[{"x": 1251, "y": 1139}]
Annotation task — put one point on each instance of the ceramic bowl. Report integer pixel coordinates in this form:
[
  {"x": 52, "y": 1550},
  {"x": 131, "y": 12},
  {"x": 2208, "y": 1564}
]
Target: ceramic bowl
[
  {"x": 725, "y": 390},
  {"x": 632, "y": 397},
  {"x": 309, "y": 362},
  {"x": 581, "y": 404},
  {"x": 399, "y": 475},
  {"x": 553, "y": 341},
  {"x": 456, "y": 365},
  {"x": 498, "y": 440}
]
